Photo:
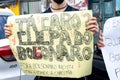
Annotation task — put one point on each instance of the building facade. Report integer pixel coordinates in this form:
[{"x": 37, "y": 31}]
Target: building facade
[{"x": 102, "y": 9}]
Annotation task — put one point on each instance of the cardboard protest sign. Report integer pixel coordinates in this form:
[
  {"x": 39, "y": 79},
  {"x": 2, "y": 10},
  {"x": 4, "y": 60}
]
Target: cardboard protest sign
[
  {"x": 111, "y": 51},
  {"x": 53, "y": 44}
]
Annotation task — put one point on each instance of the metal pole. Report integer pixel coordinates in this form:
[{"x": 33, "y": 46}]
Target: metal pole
[{"x": 28, "y": 7}]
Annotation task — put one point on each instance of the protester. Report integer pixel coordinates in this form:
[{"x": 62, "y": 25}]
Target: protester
[{"x": 61, "y": 6}]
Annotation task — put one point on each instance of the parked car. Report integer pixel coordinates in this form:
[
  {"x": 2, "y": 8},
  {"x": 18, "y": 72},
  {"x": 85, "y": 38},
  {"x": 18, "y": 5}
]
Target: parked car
[{"x": 9, "y": 68}]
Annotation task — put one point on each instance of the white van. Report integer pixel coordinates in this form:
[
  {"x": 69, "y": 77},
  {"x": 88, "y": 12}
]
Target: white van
[{"x": 9, "y": 68}]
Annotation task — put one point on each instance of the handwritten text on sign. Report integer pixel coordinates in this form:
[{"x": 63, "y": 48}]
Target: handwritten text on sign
[
  {"x": 111, "y": 51},
  {"x": 53, "y": 44}
]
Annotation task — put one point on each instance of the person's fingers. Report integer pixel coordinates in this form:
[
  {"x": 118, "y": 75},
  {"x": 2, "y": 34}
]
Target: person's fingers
[
  {"x": 101, "y": 37},
  {"x": 92, "y": 25},
  {"x": 7, "y": 29},
  {"x": 7, "y": 32},
  {"x": 93, "y": 18},
  {"x": 90, "y": 22},
  {"x": 8, "y": 25},
  {"x": 93, "y": 28},
  {"x": 100, "y": 43}
]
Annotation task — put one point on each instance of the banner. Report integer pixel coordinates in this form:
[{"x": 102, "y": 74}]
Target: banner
[
  {"x": 111, "y": 51},
  {"x": 53, "y": 44}
]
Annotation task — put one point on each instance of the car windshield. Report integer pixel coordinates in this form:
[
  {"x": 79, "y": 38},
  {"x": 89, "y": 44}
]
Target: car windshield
[
  {"x": 4, "y": 13},
  {"x": 3, "y": 20}
]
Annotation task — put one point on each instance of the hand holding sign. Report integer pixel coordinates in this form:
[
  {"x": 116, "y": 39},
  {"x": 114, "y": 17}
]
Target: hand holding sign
[{"x": 8, "y": 30}]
